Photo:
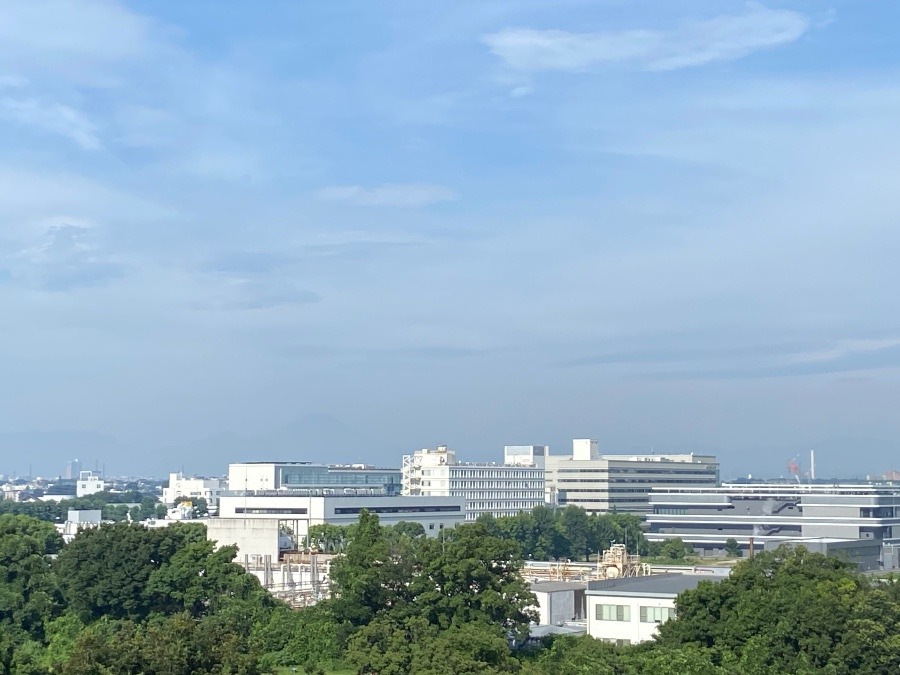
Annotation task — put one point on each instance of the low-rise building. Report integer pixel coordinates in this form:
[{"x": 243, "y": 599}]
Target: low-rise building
[
  {"x": 603, "y": 482},
  {"x": 496, "y": 489},
  {"x": 629, "y": 610},
  {"x": 269, "y": 522},
  {"x": 767, "y": 514}
]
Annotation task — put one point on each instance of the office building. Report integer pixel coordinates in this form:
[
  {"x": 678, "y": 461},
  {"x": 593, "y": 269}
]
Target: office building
[
  {"x": 629, "y": 610},
  {"x": 267, "y": 523},
  {"x": 705, "y": 517},
  {"x": 335, "y": 478},
  {"x": 498, "y": 489},
  {"x": 604, "y": 482},
  {"x": 181, "y": 488}
]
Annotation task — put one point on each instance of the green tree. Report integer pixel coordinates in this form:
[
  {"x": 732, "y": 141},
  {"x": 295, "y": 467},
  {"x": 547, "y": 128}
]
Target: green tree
[
  {"x": 783, "y": 611},
  {"x": 732, "y": 548},
  {"x": 369, "y": 578},
  {"x": 675, "y": 549},
  {"x": 106, "y": 571},
  {"x": 466, "y": 575},
  {"x": 29, "y": 594}
]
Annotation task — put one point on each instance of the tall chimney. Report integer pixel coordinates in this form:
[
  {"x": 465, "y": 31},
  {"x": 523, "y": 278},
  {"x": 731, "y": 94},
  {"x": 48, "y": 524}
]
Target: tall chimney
[{"x": 812, "y": 465}]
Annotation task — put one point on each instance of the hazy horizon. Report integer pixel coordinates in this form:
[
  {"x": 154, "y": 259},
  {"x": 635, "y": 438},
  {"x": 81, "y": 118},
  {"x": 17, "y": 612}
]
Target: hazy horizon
[{"x": 343, "y": 231}]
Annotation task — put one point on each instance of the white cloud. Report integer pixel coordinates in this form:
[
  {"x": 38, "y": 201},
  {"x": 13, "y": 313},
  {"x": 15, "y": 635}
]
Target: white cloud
[
  {"x": 69, "y": 35},
  {"x": 54, "y": 118},
  {"x": 691, "y": 43},
  {"x": 410, "y": 195}
]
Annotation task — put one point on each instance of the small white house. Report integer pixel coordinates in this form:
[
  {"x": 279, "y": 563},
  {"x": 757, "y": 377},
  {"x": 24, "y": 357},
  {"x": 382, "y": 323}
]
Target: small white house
[{"x": 629, "y": 609}]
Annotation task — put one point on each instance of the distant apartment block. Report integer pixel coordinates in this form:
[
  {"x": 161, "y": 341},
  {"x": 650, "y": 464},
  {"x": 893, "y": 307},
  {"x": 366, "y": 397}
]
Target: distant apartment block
[
  {"x": 498, "y": 489},
  {"x": 603, "y": 482},
  {"x": 330, "y": 479},
  {"x": 766, "y": 515},
  {"x": 72, "y": 470},
  {"x": 184, "y": 488}
]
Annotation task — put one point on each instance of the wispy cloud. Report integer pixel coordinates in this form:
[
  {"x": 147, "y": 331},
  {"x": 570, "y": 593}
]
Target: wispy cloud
[
  {"x": 52, "y": 118},
  {"x": 233, "y": 293},
  {"x": 693, "y": 43},
  {"x": 408, "y": 195},
  {"x": 67, "y": 258}
]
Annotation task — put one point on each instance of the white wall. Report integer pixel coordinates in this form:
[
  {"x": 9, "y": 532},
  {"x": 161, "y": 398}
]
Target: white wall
[
  {"x": 252, "y": 537},
  {"x": 633, "y": 630},
  {"x": 252, "y": 477}
]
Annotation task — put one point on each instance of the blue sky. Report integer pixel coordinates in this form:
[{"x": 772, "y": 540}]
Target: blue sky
[{"x": 345, "y": 230}]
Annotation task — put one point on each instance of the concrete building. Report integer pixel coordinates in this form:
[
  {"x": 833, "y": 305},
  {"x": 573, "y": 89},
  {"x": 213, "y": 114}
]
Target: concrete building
[
  {"x": 604, "y": 482},
  {"x": 78, "y": 520},
  {"x": 88, "y": 484},
  {"x": 627, "y": 611},
  {"x": 559, "y": 602},
  {"x": 340, "y": 478},
  {"x": 271, "y": 522},
  {"x": 192, "y": 489},
  {"x": 498, "y": 489},
  {"x": 772, "y": 514}
]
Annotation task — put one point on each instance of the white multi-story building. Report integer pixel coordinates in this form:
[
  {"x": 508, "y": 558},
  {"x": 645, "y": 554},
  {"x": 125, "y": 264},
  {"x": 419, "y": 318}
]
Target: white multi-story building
[
  {"x": 498, "y": 489},
  {"x": 600, "y": 483},
  {"x": 88, "y": 484},
  {"x": 629, "y": 610},
  {"x": 192, "y": 489}
]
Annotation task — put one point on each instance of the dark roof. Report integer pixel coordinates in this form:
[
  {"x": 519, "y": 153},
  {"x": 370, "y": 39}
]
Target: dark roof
[
  {"x": 554, "y": 586},
  {"x": 655, "y": 584}
]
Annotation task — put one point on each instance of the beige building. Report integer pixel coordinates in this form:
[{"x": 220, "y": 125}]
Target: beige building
[{"x": 602, "y": 482}]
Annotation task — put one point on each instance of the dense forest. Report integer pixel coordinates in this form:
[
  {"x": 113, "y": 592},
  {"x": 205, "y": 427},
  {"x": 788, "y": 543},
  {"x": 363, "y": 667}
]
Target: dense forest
[{"x": 125, "y": 599}]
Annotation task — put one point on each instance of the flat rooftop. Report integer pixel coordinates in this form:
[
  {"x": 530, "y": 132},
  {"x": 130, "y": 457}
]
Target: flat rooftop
[
  {"x": 653, "y": 585},
  {"x": 556, "y": 586}
]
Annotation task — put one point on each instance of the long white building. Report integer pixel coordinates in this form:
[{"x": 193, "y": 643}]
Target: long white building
[
  {"x": 498, "y": 489},
  {"x": 600, "y": 483},
  {"x": 181, "y": 487},
  {"x": 269, "y": 522}
]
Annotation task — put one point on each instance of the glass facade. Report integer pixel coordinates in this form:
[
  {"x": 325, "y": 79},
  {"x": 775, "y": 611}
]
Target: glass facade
[{"x": 387, "y": 481}]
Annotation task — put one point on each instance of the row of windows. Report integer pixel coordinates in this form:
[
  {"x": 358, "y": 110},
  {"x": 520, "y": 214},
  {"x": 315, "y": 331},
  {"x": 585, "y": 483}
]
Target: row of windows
[
  {"x": 623, "y": 613},
  {"x": 342, "y": 511},
  {"x": 284, "y": 512}
]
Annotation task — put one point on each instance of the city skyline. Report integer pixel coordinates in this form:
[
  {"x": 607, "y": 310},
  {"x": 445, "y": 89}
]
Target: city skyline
[{"x": 355, "y": 230}]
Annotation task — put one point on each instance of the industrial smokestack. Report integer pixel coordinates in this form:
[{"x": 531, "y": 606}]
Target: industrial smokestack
[{"x": 812, "y": 465}]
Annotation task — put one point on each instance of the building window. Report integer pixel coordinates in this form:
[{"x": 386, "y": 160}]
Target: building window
[
  {"x": 613, "y": 613},
  {"x": 617, "y": 642},
  {"x": 656, "y": 614}
]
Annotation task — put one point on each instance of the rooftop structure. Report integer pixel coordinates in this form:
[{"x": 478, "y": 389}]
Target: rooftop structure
[{"x": 355, "y": 478}]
